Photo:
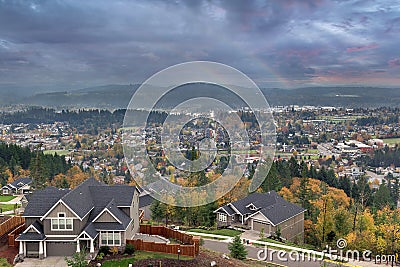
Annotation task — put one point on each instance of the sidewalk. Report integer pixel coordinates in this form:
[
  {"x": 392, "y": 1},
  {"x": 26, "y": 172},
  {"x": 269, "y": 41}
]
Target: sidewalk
[{"x": 16, "y": 200}]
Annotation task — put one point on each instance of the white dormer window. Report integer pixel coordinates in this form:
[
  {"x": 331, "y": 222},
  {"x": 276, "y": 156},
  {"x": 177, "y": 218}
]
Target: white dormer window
[{"x": 251, "y": 206}]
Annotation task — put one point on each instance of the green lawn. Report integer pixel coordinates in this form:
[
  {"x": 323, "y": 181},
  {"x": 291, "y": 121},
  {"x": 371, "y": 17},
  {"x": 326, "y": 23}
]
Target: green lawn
[
  {"x": 391, "y": 141},
  {"x": 142, "y": 255},
  {"x": 59, "y": 152},
  {"x": 4, "y": 263},
  {"x": 6, "y": 198},
  {"x": 223, "y": 232},
  {"x": 7, "y": 207}
]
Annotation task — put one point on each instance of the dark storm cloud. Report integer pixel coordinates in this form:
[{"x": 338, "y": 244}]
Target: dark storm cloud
[{"x": 58, "y": 44}]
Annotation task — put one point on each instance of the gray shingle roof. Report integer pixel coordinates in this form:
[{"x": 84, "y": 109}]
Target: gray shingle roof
[
  {"x": 91, "y": 197},
  {"x": 40, "y": 201},
  {"x": 145, "y": 200},
  {"x": 24, "y": 181},
  {"x": 258, "y": 199},
  {"x": 227, "y": 209},
  {"x": 119, "y": 214},
  {"x": 108, "y": 226},
  {"x": 29, "y": 236},
  {"x": 91, "y": 230},
  {"x": 79, "y": 199},
  {"x": 122, "y": 194},
  {"x": 281, "y": 211},
  {"x": 270, "y": 204},
  {"x": 38, "y": 226}
]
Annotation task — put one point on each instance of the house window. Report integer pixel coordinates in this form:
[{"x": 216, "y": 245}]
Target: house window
[
  {"x": 110, "y": 238},
  {"x": 61, "y": 223},
  {"x": 222, "y": 217},
  {"x": 251, "y": 206}
]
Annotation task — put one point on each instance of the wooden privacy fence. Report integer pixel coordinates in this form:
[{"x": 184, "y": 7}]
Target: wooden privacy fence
[
  {"x": 11, "y": 224},
  {"x": 167, "y": 233},
  {"x": 14, "y": 234},
  {"x": 187, "y": 250},
  {"x": 190, "y": 244}
]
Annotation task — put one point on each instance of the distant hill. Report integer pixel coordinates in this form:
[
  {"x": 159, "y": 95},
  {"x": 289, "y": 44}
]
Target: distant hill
[{"x": 118, "y": 96}]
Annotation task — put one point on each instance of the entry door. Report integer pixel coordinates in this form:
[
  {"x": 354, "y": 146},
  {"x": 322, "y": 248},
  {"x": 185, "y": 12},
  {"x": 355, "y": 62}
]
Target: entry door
[{"x": 85, "y": 244}]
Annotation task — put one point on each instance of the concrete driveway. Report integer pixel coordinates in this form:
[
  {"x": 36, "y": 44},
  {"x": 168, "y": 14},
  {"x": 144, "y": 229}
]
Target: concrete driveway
[{"x": 47, "y": 262}]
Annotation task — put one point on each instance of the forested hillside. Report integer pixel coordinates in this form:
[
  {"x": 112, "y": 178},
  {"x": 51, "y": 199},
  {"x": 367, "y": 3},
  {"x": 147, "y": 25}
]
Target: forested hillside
[{"x": 16, "y": 161}]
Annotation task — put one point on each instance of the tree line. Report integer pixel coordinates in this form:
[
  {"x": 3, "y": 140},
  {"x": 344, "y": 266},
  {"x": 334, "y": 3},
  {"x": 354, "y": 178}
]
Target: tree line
[{"x": 17, "y": 161}]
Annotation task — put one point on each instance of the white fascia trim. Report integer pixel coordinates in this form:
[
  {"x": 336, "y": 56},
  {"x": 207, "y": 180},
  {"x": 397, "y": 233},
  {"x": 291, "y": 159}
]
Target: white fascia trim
[
  {"x": 87, "y": 213},
  {"x": 56, "y": 241},
  {"x": 105, "y": 209},
  {"x": 234, "y": 208},
  {"x": 30, "y": 227},
  {"x": 61, "y": 235},
  {"x": 55, "y": 205},
  {"x": 84, "y": 232},
  {"x": 102, "y": 230},
  {"x": 227, "y": 213},
  {"x": 129, "y": 224}
]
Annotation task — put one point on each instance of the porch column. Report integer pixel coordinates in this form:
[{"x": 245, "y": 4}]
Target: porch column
[
  {"x": 24, "y": 249},
  {"x": 41, "y": 250},
  {"x": 91, "y": 246},
  {"x": 21, "y": 247},
  {"x": 78, "y": 247},
  {"x": 45, "y": 249}
]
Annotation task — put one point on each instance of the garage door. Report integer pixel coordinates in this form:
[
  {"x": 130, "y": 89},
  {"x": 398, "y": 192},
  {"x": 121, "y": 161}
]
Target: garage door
[
  {"x": 258, "y": 225},
  {"x": 60, "y": 248}
]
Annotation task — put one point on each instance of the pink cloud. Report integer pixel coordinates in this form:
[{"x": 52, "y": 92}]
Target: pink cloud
[
  {"x": 361, "y": 48},
  {"x": 394, "y": 62}
]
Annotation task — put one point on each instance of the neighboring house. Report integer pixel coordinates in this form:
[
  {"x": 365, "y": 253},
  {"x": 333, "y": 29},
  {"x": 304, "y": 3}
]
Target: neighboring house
[
  {"x": 267, "y": 211},
  {"x": 145, "y": 201},
  {"x": 18, "y": 187},
  {"x": 60, "y": 222}
]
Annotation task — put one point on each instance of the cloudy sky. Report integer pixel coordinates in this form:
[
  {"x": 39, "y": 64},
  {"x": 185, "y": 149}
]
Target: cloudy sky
[{"x": 60, "y": 44}]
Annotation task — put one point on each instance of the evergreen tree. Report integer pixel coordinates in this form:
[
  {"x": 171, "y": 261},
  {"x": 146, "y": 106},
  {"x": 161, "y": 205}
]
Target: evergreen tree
[
  {"x": 157, "y": 211},
  {"x": 38, "y": 171},
  {"x": 237, "y": 249}
]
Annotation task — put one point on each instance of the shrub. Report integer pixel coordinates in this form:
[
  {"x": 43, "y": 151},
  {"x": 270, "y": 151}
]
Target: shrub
[
  {"x": 105, "y": 250},
  {"x": 100, "y": 256},
  {"x": 129, "y": 249},
  {"x": 114, "y": 250}
]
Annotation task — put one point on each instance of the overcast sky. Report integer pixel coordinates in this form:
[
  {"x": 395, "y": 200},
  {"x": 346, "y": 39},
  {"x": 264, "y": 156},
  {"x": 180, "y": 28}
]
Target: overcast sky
[{"x": 57, "y": 44}]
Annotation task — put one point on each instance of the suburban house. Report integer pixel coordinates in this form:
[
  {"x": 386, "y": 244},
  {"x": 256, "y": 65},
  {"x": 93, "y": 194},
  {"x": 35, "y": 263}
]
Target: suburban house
[
  {"x": 18, "y": 187},
  {"x": 267, "y": 211},
  {"x": 60, "y": 222},
  {"x": 145, "y": 201}
]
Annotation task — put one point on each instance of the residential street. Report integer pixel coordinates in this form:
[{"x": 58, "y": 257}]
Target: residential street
[
  {"x": 252, "y": 254},
  {"x": 222, "y": 246}
]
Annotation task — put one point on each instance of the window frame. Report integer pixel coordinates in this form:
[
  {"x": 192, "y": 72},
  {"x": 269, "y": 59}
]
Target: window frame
[
  {"x": 222, "y": 217},
  {"x": 62, "y": 223},
  {"x": 115, "y": 240}
]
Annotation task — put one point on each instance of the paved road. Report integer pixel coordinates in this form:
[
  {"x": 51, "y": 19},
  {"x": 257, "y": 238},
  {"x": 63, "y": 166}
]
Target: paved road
[{"x": 253, "y": 251}]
